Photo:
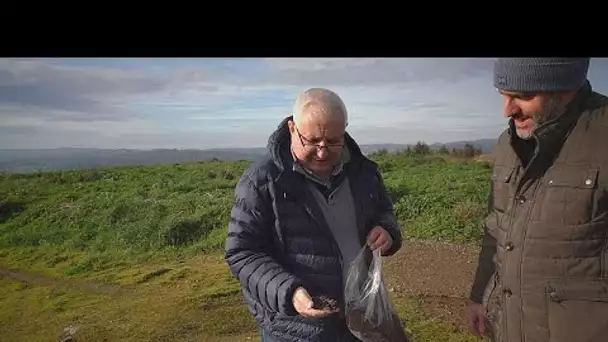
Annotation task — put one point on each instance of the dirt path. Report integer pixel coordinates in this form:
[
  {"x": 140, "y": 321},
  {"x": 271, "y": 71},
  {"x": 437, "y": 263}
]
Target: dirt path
[
  {"x": 78, "y": 285},
  {"x": 439, "y": 274}
]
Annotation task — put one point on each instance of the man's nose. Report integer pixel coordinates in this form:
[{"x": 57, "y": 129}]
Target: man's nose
[
  {"x": 322, "y": 152},
  {"x": 509, "y": 107}
]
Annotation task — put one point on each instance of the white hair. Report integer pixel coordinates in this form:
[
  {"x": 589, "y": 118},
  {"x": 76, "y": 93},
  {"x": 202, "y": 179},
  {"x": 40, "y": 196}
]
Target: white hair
[{"x": 319, "y": 102}]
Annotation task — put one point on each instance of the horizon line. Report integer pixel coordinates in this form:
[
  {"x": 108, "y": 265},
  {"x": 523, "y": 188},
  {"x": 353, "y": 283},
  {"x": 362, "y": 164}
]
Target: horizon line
[{"x": 224, "y": 148}]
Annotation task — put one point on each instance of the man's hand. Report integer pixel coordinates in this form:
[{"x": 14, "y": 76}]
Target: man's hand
[
  {"x": 303, "y": 304},
  {"x": 476, "y": 319},
  {"x": 379, "y": 238}
]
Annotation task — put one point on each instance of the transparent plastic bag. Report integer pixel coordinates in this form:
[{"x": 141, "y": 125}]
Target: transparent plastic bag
[{"x": 369, "y": 312}]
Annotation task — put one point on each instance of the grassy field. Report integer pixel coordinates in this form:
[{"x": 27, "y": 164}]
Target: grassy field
[{"x": 153, "y": 236}]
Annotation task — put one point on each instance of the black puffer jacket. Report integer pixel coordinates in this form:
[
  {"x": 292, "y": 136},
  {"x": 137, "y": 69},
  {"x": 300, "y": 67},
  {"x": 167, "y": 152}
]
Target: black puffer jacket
[{"x": 278, "y": 239}]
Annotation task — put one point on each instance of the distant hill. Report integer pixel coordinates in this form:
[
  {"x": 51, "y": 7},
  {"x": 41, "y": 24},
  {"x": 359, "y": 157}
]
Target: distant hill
[
  {"x": 29, "y": 160},
  {"x": 23, "y": 161}
]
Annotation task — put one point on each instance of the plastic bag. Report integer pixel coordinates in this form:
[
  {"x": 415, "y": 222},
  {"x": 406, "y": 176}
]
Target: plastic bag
[{"x": 369, "y": 312}]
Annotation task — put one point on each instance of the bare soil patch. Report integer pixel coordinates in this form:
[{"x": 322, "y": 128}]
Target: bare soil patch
[
  {"x": 439, "y": 274},
  {"x": 449, "y": 310}
]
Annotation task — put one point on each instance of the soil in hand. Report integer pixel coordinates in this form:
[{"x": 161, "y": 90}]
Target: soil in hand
[
  {"x": 324, "y": 303},
  {"x": 389, "y": 330}
]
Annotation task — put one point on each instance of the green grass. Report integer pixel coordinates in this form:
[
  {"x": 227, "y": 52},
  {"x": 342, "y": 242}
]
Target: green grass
[
  {"x": 84, "y": 221},
  {"x": 146, "y": 226},
  {"x": 437, "y": 199}
]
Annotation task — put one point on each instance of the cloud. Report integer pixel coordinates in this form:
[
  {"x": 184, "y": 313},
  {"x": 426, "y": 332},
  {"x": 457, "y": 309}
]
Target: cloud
[
  {"x": 202, "y": 103},
  {"x": 82, "y": 93},
  {"x": 39, "y": 137},
  {"x": 378, "y": 71},
  {"x": 228, "y": 101}
]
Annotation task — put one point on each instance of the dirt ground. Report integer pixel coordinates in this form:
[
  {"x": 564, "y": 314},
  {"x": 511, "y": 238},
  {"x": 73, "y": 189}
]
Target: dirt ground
[{"x": 439, "y": 274}]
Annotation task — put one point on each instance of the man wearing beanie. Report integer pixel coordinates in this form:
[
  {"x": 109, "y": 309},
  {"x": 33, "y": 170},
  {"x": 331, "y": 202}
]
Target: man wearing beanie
[{"x": 542, "y": 274}]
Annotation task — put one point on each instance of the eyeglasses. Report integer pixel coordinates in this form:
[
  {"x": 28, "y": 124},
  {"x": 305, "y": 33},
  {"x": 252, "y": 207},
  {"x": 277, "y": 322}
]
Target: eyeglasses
[{"x": 310, "y": 145}]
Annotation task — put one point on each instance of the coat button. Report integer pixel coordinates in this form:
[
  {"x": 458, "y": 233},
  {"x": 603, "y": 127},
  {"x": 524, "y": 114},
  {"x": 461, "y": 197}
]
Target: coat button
[
  {"x": 553, "y": 295},
  {"x": 510, "y": 246},
  {"x": 507, "y": 292}
]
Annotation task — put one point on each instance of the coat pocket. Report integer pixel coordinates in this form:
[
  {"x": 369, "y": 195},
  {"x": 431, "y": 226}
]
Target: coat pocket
[
  {"x": 569, "y": 196},
  {"x": 578, "y": 310}
]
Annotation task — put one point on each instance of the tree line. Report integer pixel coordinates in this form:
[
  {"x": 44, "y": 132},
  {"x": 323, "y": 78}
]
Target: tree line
[{"x": 421, "y": 148}]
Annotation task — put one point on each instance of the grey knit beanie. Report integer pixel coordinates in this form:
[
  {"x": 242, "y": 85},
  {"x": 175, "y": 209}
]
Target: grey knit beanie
[{"x": 540, "y": 74}]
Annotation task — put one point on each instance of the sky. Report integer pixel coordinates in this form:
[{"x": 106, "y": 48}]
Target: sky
[{"x": 203, "y": 103}]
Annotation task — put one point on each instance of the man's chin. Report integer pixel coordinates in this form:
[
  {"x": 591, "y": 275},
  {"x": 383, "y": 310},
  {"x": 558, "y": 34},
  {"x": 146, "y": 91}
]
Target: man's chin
[
  {"x": 525, "y": 134},
  {"x": 320, "y": 167}
]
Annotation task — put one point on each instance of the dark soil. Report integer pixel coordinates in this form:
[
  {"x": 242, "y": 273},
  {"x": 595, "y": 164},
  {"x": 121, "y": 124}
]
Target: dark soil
[
  {"x": 324, "y": 303},
  {"x": 387, "y": 331}
]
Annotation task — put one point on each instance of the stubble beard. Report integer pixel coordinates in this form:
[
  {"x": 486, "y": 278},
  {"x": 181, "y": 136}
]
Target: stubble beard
[{"x": 551, "y": 109}]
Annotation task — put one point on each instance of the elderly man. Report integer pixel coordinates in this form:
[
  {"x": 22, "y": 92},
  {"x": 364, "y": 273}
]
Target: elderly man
[
  {"x": 543, "y": 268},
  {"x": 301, "y": 215}
]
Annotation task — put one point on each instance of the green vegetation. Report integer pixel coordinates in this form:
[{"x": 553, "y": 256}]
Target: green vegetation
[
  {"x": 90, "y": 220},
  {"x": 161, "y": 229}
]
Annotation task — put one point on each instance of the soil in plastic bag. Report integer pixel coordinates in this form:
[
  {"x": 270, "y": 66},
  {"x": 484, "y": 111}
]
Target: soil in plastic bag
[
  {"x": 390, "y": 330},
  {"x": 370, "y": 314}
]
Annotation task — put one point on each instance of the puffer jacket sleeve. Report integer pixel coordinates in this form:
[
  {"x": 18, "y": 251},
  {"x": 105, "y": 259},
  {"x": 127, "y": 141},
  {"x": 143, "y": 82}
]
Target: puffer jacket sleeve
[
  {"x": 388, "y": 218},
  {"x": 247, "y": 250}
]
